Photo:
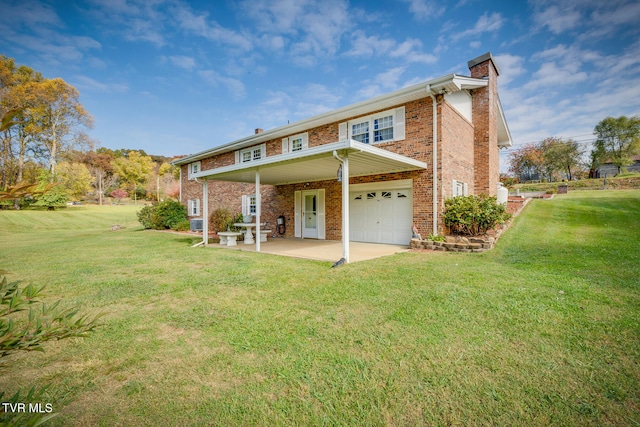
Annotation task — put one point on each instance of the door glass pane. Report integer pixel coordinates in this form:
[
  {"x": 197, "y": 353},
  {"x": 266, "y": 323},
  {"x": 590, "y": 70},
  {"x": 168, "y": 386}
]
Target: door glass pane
[{"x": 310, "y": 211}]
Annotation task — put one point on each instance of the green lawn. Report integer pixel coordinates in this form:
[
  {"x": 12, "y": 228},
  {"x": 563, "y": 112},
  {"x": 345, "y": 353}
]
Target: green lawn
[{"x": 542, "y": 330}]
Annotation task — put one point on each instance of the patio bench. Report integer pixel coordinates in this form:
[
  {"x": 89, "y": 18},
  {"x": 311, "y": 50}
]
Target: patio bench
[
  {"x": 264, "y": 234},
  {"x": 228, "y": 238}
]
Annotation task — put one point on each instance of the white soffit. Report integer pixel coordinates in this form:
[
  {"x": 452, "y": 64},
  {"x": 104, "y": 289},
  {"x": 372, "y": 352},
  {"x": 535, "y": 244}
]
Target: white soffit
[{"x": 315, "y": 164}]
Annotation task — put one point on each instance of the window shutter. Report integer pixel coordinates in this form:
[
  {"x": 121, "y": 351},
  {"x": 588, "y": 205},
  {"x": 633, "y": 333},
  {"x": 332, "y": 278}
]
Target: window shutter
[
  {"x": 398, "y": 124},
  {"x": 285, "y": 145},
  {"x": 238, "y": 156},
  {"x": 298, "y": 215},
  {"x": 197, "y": 209},
  {"x": 465, "y": 189},
  {"x": 305, "y": 141},
  {"x": 342, "y": 131},
  {"x": 320, "y": 215},
  {"x": 263, "y": 151},
  {"x": 245, "y": 205},
  {"x": 454, "y": 188}
]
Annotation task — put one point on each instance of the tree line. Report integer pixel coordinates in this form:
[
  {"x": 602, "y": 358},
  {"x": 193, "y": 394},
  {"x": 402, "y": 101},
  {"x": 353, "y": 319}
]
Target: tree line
[
  {"x": 44, "y": 141},
  {"x": 617, "y": 143}
]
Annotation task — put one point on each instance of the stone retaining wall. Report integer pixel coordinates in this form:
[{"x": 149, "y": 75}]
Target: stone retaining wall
[{"x": 476, "y": 243}]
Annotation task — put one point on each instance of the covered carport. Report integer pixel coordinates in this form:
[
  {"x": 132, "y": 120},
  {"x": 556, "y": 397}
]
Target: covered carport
[{"x": 340, "y": 160}]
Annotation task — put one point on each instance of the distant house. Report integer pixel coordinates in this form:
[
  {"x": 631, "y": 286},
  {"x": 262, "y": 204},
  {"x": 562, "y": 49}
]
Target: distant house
[
  {"x": 609, "y": 169},
  {"x": 364, "y": 172}
]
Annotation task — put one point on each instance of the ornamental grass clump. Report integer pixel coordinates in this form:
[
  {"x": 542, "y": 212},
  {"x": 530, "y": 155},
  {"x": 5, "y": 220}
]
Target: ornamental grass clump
[{"x": 474, "y": 215}]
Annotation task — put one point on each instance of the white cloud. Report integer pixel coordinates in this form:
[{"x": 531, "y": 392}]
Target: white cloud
[
  {"x": 136, "y": 20},
  {"x": 234, "y": 86},
  {"x": 86, "y": 82},
  {"x": 373, "y": 46},
  {"x": 511, "y": 66},
  {"x": 425, "y": 10},
  {"x": 32, "y": 14},
  {"x": 485, "y": 24},
  {"x": 201, "y": 25},
  {"x": 383, "y": 82},
  {"x": 558, "y": 19},
  {"x": 185, "y": 62},
  {"x": 311, "y": 29}
]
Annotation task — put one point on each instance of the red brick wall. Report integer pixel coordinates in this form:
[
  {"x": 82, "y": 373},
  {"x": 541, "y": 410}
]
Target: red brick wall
[
  {"x": 457, "y": 151},
  {"x": 485, "y": 119}
]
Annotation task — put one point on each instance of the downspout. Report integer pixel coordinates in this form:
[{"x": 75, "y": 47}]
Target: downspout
[
  {"x": 435, "y": 159},
  {"x": 205, "y": 222}
]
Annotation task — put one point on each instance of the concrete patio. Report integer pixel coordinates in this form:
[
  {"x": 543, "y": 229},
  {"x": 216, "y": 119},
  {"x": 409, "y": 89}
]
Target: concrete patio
[{"x": 322, "y": 250}]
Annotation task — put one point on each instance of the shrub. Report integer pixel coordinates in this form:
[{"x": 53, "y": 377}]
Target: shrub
[
  {"x": 473, "y": 215},
  {"x": 183, "y": 225},
  {"x": 163, "y": 215},
  {"x": 220, "y": 219}
]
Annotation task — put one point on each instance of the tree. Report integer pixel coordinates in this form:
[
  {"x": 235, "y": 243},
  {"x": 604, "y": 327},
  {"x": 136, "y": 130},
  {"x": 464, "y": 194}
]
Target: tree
[
  {"x": 75, "y": 179},
  {"x": 563, "y": 155},
  {"x": 618, "y": 140},
  {"x": 119, "y": 194},
  {"x": 133, "y": 169},
  {"x": 58, "y": 119},
  {"x": 527, "y": 162}
]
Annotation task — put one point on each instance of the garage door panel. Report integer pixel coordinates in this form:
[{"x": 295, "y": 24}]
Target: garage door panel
[{"x": 381, "y": 216}]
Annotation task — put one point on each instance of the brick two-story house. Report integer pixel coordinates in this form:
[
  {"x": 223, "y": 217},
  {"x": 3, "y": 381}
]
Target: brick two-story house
[{"x": 367, "y": 172}]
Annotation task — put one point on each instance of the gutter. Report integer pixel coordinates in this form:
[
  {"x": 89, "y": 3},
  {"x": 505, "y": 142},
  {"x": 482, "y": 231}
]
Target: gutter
[{"x": 435, "y": 158}]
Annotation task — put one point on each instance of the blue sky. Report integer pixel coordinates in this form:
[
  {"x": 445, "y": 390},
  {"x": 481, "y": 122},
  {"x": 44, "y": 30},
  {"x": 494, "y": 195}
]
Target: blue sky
[{"x": 177, "y": 77}]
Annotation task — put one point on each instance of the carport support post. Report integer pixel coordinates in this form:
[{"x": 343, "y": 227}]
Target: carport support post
[
  {"x": 345, "y": 207},
  {"x": 205, "y": 212},
  {"x": 258, "y": 209}
]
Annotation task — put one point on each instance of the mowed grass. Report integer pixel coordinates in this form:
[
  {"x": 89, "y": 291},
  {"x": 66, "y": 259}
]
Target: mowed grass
[{"x": 542, "y": 330}]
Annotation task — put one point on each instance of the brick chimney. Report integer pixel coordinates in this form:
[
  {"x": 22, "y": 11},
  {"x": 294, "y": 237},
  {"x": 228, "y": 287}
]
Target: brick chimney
[
  {"x": 485, "y": 121},
  {"x": 259, "y": 130}
]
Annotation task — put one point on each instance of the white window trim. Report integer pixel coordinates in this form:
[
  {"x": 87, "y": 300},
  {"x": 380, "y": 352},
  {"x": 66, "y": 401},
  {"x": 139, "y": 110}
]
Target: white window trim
[
  {"x": 248, "y": 201},
  {"x": 456, "y": 185},
  {"x": 193, "y": 206},
  {"x": 398, "y": 114},
  {"x": 287, "y": 143},
  {"x": 194, "y": 168},
  {"x": 261, "y": 147}
]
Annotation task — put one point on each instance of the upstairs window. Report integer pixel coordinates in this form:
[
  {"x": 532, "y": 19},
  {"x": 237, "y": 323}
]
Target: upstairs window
[
  {"x": 360, "y": 132},
  {"x": 381, "y": 127},
  {"x": 251, "y": 154},
  {"x": 295, "y": 143},
  {"x": 194, "y": 168}
]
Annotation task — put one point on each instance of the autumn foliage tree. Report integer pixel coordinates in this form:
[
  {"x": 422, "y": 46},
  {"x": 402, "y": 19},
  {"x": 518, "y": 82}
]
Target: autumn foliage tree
[{"x": 618, "y": 140}]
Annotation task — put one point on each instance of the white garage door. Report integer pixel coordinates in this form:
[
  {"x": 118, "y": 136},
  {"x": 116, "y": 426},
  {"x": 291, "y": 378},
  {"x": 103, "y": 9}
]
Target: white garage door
[{"x": 381, "y": 215}]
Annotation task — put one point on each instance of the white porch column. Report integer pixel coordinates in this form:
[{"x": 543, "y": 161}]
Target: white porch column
[
  {"x": 205, "y": 212},
  {"x": 258, "y": 209},
  {"x": 345, "y": 207}
]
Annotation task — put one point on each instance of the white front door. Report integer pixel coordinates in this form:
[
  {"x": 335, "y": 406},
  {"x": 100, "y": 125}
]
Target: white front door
[{"x": 310, "y": 214}]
